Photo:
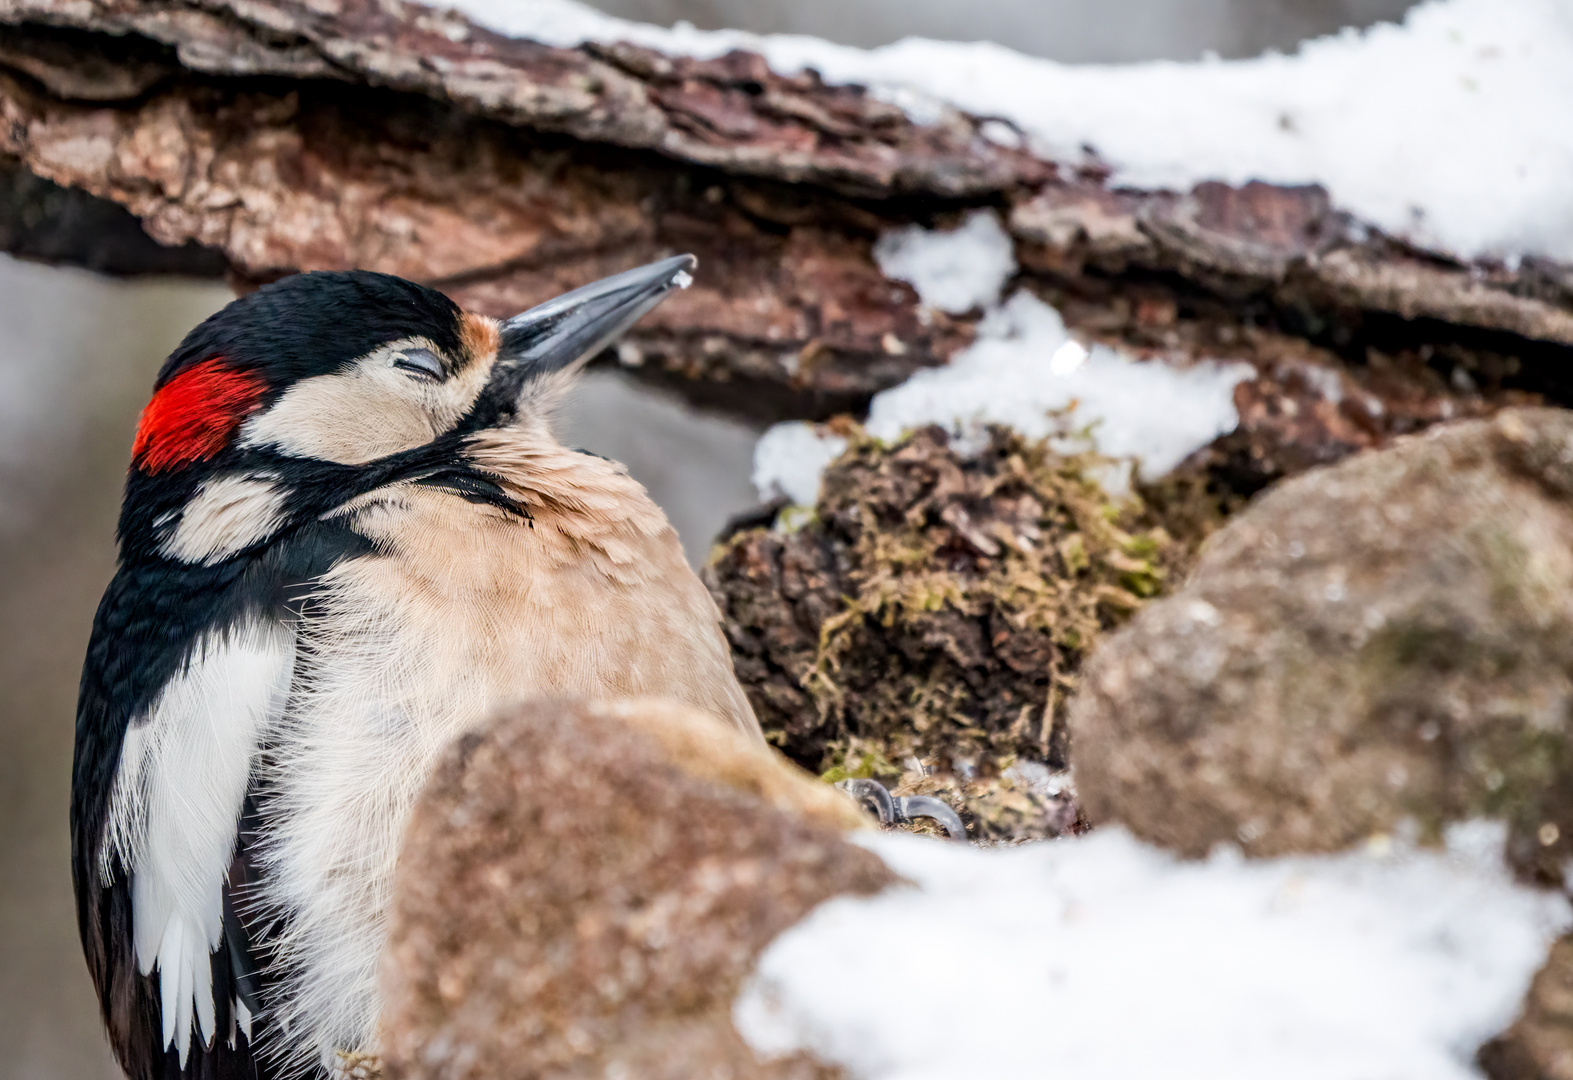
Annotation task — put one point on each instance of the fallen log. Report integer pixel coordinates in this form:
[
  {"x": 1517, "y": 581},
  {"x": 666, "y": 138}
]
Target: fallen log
[{"x": 282, "y": 135}]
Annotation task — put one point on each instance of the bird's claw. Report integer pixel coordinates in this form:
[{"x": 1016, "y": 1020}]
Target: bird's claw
[{"x": 901, "y": 809}]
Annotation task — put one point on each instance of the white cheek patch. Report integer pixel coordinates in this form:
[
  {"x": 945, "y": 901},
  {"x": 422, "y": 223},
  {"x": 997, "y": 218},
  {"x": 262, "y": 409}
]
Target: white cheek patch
[
  {"x": 175, "y": 809},
  {"x": 367, "y": 411},
  {"x": 350, "y": 417},
  {"x": 227, "y": 515}
]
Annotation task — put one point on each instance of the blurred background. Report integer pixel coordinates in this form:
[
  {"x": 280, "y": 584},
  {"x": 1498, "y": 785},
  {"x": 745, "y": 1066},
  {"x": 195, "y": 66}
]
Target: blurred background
[
  {"x": 1074, "y": 31},
  {"x": 78, "y": 354}
]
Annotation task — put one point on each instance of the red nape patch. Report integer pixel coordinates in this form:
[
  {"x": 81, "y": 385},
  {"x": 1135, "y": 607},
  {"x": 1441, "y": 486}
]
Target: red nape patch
[{"x": 194, "y": 414}]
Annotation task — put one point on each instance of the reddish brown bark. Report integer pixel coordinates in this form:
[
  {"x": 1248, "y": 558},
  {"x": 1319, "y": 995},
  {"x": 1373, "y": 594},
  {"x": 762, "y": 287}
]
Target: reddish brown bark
[{"x": 288, "y": 135}]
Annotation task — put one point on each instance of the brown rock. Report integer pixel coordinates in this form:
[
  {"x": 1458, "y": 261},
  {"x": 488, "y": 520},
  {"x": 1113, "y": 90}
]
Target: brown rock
[
  {"x": 1387, "y": 638},
  {"x": 585, "y": 887},
  {"x": 1540, "y": 1045}
]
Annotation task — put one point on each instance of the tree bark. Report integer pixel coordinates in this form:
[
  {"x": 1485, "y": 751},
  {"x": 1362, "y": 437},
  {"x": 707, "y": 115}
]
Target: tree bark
[{"x": 278, "y": 136}]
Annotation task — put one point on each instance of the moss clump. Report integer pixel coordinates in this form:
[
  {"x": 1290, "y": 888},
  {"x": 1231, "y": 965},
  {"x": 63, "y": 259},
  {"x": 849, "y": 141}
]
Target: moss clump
[{"x": 935, "y": 609}]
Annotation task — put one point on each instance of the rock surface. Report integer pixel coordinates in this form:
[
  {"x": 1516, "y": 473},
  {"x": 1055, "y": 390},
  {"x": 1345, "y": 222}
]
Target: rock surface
[
  {"x": 584, "y": 888},
  {"x": 1389, "y": 638},
  {"x": 1540, "y": 1045}
]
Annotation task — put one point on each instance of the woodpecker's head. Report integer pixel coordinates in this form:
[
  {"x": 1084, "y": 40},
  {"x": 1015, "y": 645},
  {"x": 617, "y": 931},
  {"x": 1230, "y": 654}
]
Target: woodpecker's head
[{"x": 323, "y": 386}]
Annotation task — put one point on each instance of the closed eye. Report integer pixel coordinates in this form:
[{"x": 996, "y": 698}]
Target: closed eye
[{"x": 421, "y": 364}]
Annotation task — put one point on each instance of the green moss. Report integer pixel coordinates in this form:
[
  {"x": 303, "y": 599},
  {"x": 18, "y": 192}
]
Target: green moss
[
  {"x": 1509, "y": 768},
  {"x": 1503, "y": 734},
  {"x": 1019, "y": 543},
  {"x": 929, "y": 620}
]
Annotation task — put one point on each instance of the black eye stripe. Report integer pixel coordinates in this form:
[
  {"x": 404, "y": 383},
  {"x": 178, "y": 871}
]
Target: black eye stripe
[{"x": 420, "y": 362}]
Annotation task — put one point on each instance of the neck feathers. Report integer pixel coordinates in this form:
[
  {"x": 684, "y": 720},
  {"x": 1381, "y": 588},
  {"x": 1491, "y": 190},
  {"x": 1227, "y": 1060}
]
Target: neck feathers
[{"x": 588, "y": 500}]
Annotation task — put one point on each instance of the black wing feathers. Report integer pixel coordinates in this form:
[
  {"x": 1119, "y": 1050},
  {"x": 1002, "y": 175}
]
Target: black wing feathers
[{"x": 150, "y": 617}]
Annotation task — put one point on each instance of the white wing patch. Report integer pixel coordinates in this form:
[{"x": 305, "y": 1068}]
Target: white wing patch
[
  {"x": 176, "y": 803},
  {"x": 227, "y": 515}
]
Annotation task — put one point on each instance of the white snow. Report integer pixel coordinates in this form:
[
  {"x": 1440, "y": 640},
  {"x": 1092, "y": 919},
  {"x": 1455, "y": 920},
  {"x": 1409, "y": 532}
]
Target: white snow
[
  {"x": 1025, "y": 372},
  {"x": 953, "y": 271},
  {"x": 1100, "y": 957},
  {"x": 789, "y": 460},
  {"x": 1449, "y": 131}
]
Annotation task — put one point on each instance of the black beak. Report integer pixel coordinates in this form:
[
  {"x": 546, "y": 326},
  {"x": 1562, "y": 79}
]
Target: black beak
[
  {"x": 549, "y": 338},
  {"x": 575, "y": 326},
  {"x": 566, "y": 331}
]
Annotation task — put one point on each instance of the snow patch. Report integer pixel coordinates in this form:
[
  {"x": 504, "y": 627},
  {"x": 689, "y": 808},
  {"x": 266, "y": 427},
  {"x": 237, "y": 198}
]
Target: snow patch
[
  {"x": 1448, "y": 131},
  {"x": 1102, "y": 957},
  {"x": 953, "y": 271},
  {"x": 790, "y": 458},
  {"x": 1025, "y": 372}
]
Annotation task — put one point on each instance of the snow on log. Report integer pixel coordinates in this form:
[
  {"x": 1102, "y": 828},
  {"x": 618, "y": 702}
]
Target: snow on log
[{"x": 506, "y": 164}]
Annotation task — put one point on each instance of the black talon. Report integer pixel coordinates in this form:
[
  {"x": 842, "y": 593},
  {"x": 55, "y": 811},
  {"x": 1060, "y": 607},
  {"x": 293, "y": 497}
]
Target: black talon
[
  {"x": 874, "y": 797},
  {"x": 900, "y": 811},
  {"x": 911, "y": 806}
]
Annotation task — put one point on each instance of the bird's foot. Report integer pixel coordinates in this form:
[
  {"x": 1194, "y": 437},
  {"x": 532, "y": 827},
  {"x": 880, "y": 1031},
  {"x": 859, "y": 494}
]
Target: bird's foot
[
  {"x": 351, "y": 1065},
  {"x": 901, "y": 809}
]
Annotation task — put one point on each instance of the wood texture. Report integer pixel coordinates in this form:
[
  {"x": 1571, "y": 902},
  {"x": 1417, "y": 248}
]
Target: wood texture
[{"x": 285, "y": 135}]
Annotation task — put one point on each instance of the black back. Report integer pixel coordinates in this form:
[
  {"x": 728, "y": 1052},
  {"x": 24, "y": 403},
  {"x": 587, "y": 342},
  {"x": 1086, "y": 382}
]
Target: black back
[
  {"x": 142, "y": 635},
  {"x": 156, "y": 608}
]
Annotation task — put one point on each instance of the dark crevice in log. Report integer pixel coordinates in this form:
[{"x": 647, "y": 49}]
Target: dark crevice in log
[
  {"x": 45, "y": 222},
  {"x": 77, "y": 65}
]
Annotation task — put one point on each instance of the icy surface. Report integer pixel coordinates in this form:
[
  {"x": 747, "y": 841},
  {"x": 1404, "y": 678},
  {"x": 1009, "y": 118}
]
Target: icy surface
[
  {"x": 1025, "y": 372},
  {"x": 953, "y": 271},
  {"x": 789, "y": 460},
  {"x": 1102, "y": 957},
  {"x": 1450, "y": 130}
]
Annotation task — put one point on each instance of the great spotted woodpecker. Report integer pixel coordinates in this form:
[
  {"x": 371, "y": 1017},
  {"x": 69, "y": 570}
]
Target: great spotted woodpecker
[{"x": 347, "y": 534}]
